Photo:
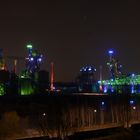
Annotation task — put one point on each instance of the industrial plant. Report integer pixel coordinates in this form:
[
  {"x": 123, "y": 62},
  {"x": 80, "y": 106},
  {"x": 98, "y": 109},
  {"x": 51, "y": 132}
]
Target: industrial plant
[{"x": 34, "y": 80}]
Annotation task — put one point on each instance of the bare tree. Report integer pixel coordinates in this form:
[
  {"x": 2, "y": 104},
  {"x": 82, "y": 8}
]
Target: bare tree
[{"x": 10, "y": 125}]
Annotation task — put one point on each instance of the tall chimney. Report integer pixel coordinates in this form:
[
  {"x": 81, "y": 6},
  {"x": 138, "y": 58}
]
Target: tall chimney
[
  {"x": 52, "y": 76},
  {"x": 15, "y": 66}
]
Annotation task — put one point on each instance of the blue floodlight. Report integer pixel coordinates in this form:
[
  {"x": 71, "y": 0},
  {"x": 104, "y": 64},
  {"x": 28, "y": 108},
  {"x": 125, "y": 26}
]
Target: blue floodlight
[
  {"x": 132, "y": 89},
  {"x": 110, "y": 52},
  {"x": 39, "y": 59},
  {"x": 105, "y": 89},
  {"x": 89, "y": 69},
  {"x": 131, "y": 102},
  {"x": 32, "y": 59},
  {"x": 103, "y": 103}
]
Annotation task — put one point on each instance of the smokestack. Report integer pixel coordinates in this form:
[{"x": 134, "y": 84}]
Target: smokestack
[
  {"x": 100, "y": 87},
  {"x": 101, "y": 72},
  {"x": 15, "y": 66},
  {"x": 52, "y": 76}
]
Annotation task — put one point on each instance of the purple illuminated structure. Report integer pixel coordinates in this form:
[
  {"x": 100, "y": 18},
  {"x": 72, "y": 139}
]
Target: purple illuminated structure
[
  {"x": 33, "y": 60},
  {"x": 114, "y": 66}
]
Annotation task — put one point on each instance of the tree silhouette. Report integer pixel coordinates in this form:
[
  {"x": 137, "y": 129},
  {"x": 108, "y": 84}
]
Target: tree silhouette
[{"x": 10, "y": 125}]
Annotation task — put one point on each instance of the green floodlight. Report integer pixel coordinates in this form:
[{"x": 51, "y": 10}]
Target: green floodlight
[{"x": 29, "y": 46}]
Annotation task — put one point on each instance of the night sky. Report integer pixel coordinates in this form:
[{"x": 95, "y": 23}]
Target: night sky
[{"x": 72, "y": 33}]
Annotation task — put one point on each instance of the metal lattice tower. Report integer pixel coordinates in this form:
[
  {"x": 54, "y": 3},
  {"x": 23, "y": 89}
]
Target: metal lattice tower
[
  {"x": 33, "y": 61},
  {"x": 114, "y": 66}
]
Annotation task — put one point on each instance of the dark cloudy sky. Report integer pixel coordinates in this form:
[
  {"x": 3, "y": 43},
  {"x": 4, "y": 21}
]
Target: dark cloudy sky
[{"x": 72, "y": 33}]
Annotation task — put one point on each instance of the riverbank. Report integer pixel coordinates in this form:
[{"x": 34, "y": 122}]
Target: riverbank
[
  {"x": 128, "y": 134},
  {"x": 132, "y": 133}
]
